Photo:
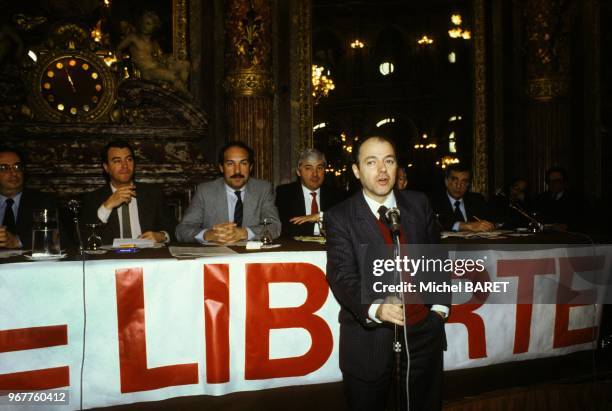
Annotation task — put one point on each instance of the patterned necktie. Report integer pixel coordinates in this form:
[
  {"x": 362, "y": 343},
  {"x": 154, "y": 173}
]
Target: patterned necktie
[
  {"x": 238, "y": 210},
  {"x": 125, "y": 219},
  {"x": 382, "y": 211},
  {"x": 314, "y": 207},
  {"x": 458, "y": 213},
  {"x": 9, "y": 216}
]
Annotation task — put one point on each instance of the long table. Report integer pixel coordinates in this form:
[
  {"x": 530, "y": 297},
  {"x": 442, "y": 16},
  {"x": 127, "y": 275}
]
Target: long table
[{"x": 120, "y": 329}]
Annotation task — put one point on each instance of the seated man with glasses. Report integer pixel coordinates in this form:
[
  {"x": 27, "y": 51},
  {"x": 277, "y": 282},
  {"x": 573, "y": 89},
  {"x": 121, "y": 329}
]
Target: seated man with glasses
[
  {"x": 457, "y": 208},
  {"x": 16, "y": 202}
]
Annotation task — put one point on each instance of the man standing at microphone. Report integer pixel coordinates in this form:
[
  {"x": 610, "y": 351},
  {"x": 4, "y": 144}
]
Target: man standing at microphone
[
  {"x": 128, "y": 209},
  {"x": 367, "y": 329}
]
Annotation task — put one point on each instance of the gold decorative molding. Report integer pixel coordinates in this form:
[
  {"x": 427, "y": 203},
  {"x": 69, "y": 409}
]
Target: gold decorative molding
[
  {"x": 249, "y": 82},
  {"x": 180, "y": 29},
  {"x": 302, "y": 19},
  {"x": 480, "y": 157},
  {"x": 248, "y": 38},
  {"x": 547, "y": 57},
  {"x": 547, "y": 89}
]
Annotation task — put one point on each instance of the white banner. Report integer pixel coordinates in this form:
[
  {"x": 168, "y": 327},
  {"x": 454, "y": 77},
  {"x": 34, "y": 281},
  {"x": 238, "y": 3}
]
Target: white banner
[{"x": 157, "y": 329}]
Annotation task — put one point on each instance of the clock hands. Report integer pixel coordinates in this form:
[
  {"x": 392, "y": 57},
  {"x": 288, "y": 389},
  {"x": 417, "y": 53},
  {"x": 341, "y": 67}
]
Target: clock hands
[{"x": 70, "y": 80}]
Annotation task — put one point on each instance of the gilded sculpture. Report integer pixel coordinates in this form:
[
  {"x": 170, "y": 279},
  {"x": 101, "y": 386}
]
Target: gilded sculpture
[{"x": 147, "y": 55}]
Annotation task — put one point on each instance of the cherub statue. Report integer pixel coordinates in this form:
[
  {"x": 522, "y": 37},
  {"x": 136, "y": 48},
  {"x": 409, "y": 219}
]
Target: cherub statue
[{"x": 148, "y": 56}]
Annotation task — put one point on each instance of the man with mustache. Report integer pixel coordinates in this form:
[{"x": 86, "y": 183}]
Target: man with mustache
[
  {"x": 301, "y": 204},
  {"x": 231, "y": 208},
  {"x": 127, "y": 208}
]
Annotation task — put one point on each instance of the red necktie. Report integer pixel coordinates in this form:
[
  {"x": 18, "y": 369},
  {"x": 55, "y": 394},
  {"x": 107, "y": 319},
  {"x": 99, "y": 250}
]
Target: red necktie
[{"x": 314, "y": 207}]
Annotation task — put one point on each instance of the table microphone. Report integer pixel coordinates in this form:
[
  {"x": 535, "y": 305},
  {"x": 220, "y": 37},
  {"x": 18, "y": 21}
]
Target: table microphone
[
  {"x": 393, "y": 218},
  {"x": 74, "y": 206}
]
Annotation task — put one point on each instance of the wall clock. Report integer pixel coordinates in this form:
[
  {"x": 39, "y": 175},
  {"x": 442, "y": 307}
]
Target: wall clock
[{"x": 73, "y": 86}]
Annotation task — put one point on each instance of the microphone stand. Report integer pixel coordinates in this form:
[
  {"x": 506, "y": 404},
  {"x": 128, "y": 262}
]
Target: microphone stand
[
  {"x": 73, "y": 206},
  {"x": 539, "y": 226},
  {"x": 397, "y": 344}
]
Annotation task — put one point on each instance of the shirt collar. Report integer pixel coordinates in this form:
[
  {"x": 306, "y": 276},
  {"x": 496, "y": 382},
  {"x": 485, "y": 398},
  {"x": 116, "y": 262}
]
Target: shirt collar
[
  {"x": 232, "y": 191},
  {"x": 374, "y": 205},
  {"x": 113, "y": 188},
  {"x": 16, "y": 199},
  {"x": 453, "y": 199},
  {"x": 307, "y": 191}
]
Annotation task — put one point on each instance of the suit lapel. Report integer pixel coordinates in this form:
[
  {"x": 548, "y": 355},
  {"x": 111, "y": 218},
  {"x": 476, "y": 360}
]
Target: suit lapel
[
  {"x": 299, "y": 199},
  {"x": 407, "y": 218},
  {"x": 366, "y": 221},
  {"x": 220, "y": 202},
  {"x": 326, "y": 198},
  {"x": 249, "y": 205},
  {"x": 113, "y": 220},
  {"x": 23, "y": 219},
  {"x": 142, "y": 201},
  {"x": 467, "y": 204}
]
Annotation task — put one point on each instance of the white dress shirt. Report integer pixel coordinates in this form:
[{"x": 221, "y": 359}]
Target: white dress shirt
[
  {"x": 461, "y": 207},
  {"x": 308, "y": 204},
  {"x": 232, "y": 199},
  {"x": 104, "y": 213},
  {"x": 390, "y": 202}
]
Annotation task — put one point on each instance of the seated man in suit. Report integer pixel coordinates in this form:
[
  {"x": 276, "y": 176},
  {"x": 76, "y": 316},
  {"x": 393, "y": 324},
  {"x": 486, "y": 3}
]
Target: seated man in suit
[
  {"x": 558, "y": 205},
  {"x": 16, "y": 202},
  {"x": 301, "y": 204},
  {"x": 128, "y": 209},
  {"x": 457, "y": 208},
  {"x": 506, "y": 204},
  {"x": 401, "y": 182},
  {"x": 233, "y": 207}
]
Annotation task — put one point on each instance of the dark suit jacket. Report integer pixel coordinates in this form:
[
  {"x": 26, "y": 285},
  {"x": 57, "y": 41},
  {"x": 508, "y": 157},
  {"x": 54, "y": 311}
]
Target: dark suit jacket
[
  {"x": 31, "y": 200},
  {"x": 475, "y": 205},
  {"x": 152, "y": 214},
  {"x": 290, "y": 203},
  {"x": 365, "y": 346},
  {"x": 569, "y": 209}
]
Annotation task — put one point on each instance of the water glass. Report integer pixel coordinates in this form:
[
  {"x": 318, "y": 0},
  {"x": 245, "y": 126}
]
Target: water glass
[
  {"x": 266, "y": 236},
  {"x": 45, "y": 233}
]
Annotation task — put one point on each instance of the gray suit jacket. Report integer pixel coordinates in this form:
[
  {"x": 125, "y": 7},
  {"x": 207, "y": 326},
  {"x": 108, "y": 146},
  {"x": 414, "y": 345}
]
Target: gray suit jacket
[{"x": 209, "y": 207}]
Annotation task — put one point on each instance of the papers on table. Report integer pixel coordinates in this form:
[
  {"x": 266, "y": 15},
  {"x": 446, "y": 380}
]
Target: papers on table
[
  {"x": 10, "y": 253},
  {"x": 199, "y": 251},
  {"x": 133, "y": 243},
  {"x": 311, "y": 239},
  {"x": 469, "y": 234}
]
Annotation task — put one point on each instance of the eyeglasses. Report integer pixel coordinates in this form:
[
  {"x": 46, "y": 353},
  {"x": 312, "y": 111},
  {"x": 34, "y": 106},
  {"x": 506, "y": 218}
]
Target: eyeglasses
[{"x": 5, "y": 168}]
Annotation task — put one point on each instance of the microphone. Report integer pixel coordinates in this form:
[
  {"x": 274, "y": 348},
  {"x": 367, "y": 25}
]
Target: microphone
[
  {"x": 393, "y": 218},
  {"x": 74, "y": 206}
]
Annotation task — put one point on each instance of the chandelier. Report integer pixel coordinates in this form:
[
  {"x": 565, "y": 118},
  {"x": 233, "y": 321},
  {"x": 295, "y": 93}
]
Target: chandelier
[
  {"x": 322, "y": 84},
  {"x": 456, "y": 31}
]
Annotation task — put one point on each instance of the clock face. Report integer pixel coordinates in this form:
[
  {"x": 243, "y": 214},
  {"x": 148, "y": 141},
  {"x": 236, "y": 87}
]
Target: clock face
[{"x": 73, "y": 86}]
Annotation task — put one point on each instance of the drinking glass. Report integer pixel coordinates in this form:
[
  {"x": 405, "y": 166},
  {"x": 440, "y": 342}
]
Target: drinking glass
[
  {"x": 266, "y": 236},
  {"x": 45, "y": 233},
  {"x": 322, "y": 227},
  {"x": 94, "y": 241}
]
